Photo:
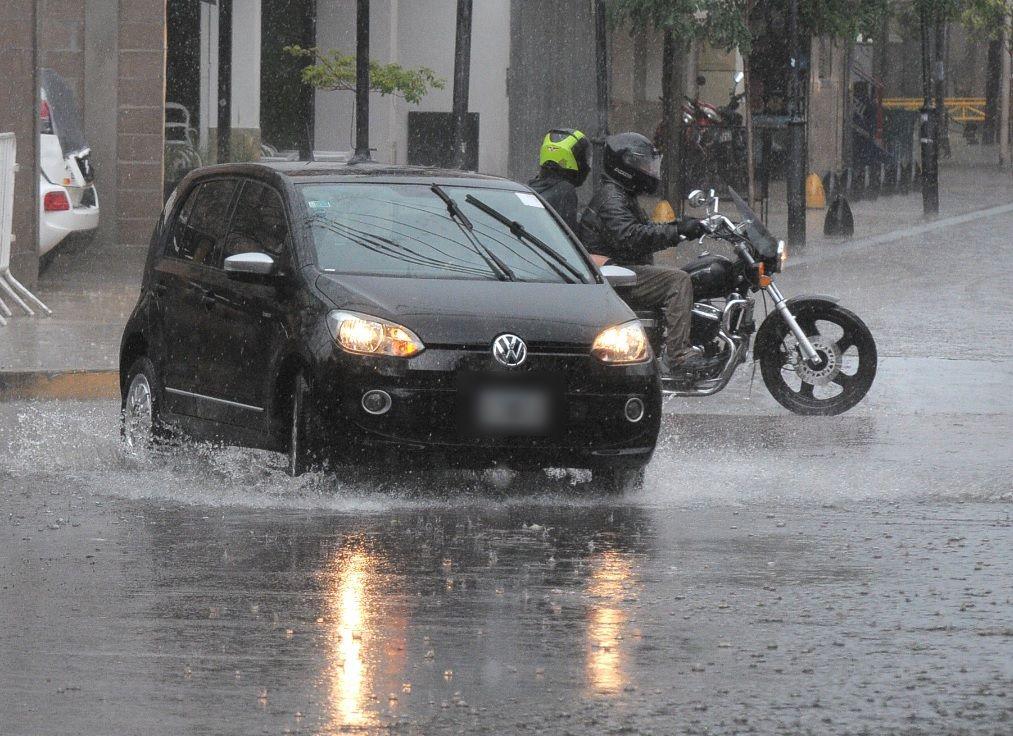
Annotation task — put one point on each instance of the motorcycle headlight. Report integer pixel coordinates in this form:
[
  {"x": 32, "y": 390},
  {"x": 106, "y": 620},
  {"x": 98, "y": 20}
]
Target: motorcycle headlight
[
  {"x": 367, "y": 335},
  {"x": 782, "y": 254},
  {"x": 625, "y": 343}
]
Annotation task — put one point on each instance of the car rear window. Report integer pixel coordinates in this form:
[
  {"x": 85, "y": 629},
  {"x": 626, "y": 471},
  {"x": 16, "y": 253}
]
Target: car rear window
[{"x": 406, "y": 230}]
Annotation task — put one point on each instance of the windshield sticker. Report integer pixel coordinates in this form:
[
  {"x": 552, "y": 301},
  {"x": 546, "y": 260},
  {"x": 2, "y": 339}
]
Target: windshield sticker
[
  {"x": 319, "y": 204},
  {"x": 529, "y": 199}
]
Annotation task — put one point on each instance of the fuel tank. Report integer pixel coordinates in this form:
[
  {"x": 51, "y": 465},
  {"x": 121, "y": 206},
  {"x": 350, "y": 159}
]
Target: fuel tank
[{"x": 713, "y": 276}]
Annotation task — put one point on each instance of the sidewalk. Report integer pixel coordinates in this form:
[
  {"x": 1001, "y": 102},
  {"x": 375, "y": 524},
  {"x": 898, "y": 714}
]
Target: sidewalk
[
  {"x": 73, "y": 354},
  {"x": 969, "y": 182},
  {"x": 93, "y": 288}
]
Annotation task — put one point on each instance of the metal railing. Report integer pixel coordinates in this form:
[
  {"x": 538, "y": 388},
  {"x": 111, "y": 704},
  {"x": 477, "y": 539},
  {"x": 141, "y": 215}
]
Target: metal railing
[{"x": 8, "y": 284}]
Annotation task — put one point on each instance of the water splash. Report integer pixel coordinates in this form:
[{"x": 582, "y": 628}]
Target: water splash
[{"x": 701, "y": 459}]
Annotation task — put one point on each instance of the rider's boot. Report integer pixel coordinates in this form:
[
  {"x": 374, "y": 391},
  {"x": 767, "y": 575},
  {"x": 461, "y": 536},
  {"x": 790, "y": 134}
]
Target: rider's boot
[{"x": 690, "y": 365}]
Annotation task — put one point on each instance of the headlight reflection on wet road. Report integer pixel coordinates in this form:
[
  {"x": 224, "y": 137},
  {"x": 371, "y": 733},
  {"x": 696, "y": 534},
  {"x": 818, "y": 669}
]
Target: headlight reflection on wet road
[
  {"x": 350, "y": 612},
  {"x": 611, "y": 573}
]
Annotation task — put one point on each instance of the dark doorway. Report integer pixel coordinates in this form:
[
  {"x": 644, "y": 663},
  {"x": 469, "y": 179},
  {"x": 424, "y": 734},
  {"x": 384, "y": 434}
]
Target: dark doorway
[
  {"x": 286, "y": 104},
  {"x": 551, "y": 81},
  {"x": 430, "y": 142},
  {"x": 182, "y": 61}
]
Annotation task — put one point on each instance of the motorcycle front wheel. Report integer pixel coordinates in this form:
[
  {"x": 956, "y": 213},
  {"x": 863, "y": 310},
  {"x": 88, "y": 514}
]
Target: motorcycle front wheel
[{"x": 846, "y": 363}]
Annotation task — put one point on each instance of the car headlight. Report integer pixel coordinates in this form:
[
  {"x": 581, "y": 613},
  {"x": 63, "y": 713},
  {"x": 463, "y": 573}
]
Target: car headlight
[
  {"x": 625, "y": 343},
  {"x": 367, "y": 335}
]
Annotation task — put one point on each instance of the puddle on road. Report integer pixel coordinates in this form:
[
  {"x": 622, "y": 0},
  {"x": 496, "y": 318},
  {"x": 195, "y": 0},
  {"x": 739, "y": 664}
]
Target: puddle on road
[{"x": 701, "y": 459}]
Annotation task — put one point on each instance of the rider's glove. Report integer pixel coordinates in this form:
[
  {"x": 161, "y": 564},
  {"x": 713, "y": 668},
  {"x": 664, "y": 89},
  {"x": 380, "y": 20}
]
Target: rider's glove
[{"x": 692, "y": 229}]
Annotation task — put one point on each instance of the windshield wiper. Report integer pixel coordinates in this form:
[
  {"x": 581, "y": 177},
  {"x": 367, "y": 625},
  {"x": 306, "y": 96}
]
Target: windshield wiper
[
  {"x": 522, "y": 233},
  {"x": 502, "y": 270}
]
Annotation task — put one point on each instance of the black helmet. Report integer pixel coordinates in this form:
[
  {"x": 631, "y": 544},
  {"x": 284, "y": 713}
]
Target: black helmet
[{"x": 633, "y": 161}]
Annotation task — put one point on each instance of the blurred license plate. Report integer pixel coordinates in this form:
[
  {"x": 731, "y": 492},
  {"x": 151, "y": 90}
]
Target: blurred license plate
[{"x": 513, "y": 410}]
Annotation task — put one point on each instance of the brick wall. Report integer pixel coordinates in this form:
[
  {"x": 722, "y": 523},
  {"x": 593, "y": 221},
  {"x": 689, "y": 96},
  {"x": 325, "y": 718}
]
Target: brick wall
[
  {"x": 112, "y": 53},
  {"x": 61, "y": 41},
  {"x": 141, "y": 56},
  {"x": 18, "y": 115}
]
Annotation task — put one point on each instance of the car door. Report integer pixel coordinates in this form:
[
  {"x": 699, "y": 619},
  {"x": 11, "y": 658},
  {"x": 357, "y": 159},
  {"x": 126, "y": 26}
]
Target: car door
[
  {"x": 187, "y": 271},
  {"x": 175, "y": 357},
  {"x": 249, "y": 329}
]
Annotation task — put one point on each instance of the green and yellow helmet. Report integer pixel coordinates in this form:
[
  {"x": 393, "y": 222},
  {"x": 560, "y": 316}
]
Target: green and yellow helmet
[{"x": 566, "y": 151}]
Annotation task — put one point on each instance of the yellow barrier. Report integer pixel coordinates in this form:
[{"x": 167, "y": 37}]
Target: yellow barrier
[{"x": 959, "y": 109}]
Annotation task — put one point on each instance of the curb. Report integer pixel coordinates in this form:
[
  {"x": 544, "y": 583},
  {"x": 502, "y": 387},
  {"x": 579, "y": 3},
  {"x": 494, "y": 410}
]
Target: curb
[{"x": 59, "y": 385}]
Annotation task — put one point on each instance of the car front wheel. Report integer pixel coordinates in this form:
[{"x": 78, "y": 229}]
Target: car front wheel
[
  {"x": 140, "y": 424},
  {"x": 303, "y": 445},
  {"x": 619, "y": 481}
]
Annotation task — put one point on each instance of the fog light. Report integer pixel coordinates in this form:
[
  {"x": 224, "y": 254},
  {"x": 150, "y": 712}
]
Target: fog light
[
  {"x": 634, "y": 410},
  {"x": 376, "y": 402}
]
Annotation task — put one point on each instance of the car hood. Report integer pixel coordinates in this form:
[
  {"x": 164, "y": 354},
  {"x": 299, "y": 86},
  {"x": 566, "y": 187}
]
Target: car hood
[{"x": 470, "y": 313}]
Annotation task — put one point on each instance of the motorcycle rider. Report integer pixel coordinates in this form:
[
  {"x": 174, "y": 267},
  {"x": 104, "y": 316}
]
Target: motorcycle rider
[
  {"x": 563, "y": 166},
  {"x": 614, "y": 225}
]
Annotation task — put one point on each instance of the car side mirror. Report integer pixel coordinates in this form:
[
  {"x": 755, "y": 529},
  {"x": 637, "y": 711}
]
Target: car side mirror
[
  {"x": 251, "y": 264},
  {"x": 618, "y": 276}
]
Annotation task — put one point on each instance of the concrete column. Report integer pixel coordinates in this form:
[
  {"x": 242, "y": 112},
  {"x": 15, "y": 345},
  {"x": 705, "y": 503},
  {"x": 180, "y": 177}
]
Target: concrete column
[
  {"x": 99, "y": 107},
  {"x": 245, "y": 140},
  {"x": 19, "y": 114}
]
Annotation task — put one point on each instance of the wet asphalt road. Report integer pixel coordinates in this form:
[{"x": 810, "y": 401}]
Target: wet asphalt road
[{"x": 778, "y": 574}]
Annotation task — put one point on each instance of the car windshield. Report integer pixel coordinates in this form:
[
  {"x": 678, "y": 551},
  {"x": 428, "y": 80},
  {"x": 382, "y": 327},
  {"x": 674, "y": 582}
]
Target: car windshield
[
  {"x": 407, "y": 230},
  {"x": 756, "y": 231}
]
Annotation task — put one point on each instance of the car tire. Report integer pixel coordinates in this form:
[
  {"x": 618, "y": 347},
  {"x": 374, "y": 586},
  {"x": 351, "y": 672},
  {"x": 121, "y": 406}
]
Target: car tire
[
  {"x": 140, "y": 408},
  {"x": 619, "y": 481},
  {"x": 304, "y": 453}
]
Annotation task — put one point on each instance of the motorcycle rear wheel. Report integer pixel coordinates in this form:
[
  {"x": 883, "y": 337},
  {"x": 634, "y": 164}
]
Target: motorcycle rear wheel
[{"x": 848, "y": 358}]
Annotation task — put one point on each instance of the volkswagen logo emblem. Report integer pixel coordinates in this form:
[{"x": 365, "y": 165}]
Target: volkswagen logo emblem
[{"x": 509, "y": 350}]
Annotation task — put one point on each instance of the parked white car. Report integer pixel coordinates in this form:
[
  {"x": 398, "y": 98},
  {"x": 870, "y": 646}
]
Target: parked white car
[{"x": 68, "y": 202}]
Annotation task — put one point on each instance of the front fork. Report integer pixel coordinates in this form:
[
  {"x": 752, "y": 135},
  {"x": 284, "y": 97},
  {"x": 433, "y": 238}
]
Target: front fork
[{"x": 808, "y": 351}]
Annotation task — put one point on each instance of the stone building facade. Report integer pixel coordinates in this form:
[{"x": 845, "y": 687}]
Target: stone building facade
[{"x": 112, "y": 54}]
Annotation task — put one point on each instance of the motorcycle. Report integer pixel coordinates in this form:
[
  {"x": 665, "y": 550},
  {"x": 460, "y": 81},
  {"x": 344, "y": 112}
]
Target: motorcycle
[
  {"x": 714, "y": 139},
  {"x": 815, "y": 357}
]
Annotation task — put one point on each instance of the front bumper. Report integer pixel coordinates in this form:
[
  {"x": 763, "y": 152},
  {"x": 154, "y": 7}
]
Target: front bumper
[{"x": 426, "y": 425}]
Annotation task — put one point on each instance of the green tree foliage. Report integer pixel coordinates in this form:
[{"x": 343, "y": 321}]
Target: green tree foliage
[
  {"x": 719, "y": 22},
  {"x": 722, "y": 23},
  {"x": 333, "y": 70},
  {"x": 986, "y": 17}
]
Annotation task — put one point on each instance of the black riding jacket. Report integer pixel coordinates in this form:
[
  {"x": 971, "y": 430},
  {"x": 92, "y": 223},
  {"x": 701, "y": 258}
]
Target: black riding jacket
[
  {"x": 614, "y": 225},
  {"x": 560, "y": 193}
]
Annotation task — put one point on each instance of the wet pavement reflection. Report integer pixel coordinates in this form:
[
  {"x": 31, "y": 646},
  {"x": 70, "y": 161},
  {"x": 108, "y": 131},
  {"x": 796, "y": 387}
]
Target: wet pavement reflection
[{"x": 501, "y": 616}]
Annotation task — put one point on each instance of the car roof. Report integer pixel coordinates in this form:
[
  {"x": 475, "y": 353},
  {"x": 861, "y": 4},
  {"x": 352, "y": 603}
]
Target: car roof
[{"x": 318, "y": 171}]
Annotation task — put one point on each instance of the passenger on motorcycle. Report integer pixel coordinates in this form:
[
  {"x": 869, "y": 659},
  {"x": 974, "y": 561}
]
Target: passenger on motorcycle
[
  {"x": 563, "y": 166},
  {"x": 614, "y": 225}
]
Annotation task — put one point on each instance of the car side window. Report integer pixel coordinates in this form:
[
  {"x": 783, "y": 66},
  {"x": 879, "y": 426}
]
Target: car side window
[
  {"x": 201, "y": 223},
  {"x": 174, "y": 242},
  {"x": 259, "y": 224}
]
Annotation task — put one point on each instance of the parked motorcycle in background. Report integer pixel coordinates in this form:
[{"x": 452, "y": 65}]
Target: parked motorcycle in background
[
  {"x": 815, "y": 356},
  {"x": 714, "y": 141}
]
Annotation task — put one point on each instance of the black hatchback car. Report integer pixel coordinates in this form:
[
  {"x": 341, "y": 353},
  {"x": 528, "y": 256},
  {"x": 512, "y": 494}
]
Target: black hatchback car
[{"x": 410, "y": 316}]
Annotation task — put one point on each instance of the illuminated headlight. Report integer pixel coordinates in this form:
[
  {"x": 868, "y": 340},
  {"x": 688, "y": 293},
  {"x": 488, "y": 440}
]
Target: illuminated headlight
[
  {"x": 782, "y": 253},
  {"x": 625, "y": 343},
  {"x": 367, "y": 335}
]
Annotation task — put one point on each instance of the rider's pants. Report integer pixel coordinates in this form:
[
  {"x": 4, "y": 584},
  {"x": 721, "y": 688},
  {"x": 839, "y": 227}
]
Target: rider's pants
[{"x": 669, "y": 289}]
